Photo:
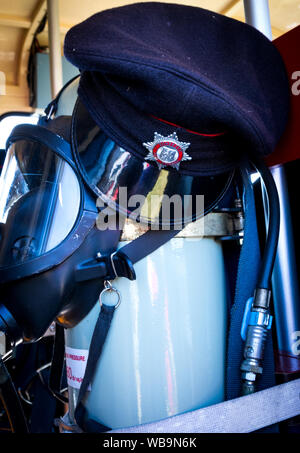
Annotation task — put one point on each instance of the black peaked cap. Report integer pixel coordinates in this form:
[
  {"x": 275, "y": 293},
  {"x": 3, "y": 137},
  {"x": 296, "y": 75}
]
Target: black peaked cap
[{"x": 220, "y": 84}]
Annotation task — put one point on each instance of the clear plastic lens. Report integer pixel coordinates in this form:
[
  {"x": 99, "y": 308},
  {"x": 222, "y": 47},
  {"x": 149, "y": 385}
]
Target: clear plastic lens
[
  {"x": 39, "y": 202},
  {"x": 12, "y": 185}
]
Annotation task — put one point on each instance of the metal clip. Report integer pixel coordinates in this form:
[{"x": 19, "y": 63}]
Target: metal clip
[
  {"x": 109, "y": 288},
  {"x": 254, "y": 318},
  {"x": 51, "y": 111},
  {"x": 113, "y": 264}
]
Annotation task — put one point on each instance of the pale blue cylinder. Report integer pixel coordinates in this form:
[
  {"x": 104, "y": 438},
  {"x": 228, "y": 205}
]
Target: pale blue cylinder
[{"x": 165, "y": 351}]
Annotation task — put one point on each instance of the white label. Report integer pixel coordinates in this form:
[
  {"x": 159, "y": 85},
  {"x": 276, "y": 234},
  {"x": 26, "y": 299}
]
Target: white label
[{"x": 76, "y": 360}]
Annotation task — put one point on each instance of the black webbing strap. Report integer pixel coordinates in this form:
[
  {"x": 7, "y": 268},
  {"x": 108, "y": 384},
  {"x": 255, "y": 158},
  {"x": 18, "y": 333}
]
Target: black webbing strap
[
  {"x": 147, "y": 243},
  {"x": 135, "y": 251},
  {"x": 98, "y": 339}
]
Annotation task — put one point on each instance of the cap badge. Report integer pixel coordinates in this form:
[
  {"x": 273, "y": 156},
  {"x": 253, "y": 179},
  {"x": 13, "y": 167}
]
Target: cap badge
[{"x": 167, "y": 151}]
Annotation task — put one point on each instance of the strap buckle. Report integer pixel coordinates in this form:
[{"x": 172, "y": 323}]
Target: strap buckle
[
  {"x": 108, "y": 267},
  {"x": 50, "y": 110},
  {"x": 121, "y": 265}
]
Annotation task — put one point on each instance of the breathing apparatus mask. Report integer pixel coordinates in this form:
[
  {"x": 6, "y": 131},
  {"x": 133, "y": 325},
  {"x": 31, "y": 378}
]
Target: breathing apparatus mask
[
  {"x": 46, "y": 215},
  {"x": 54, "y": 258}
]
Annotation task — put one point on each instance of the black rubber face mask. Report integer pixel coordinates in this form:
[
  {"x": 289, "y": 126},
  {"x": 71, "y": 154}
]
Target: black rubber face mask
[{"x": 48, "y": 229}]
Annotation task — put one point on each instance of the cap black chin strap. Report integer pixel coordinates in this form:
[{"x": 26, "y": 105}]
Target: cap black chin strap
[{"x": 134, "y": 252}]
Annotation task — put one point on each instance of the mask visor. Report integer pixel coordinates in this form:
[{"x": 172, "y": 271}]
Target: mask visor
[{"x": 39, "y": 202}]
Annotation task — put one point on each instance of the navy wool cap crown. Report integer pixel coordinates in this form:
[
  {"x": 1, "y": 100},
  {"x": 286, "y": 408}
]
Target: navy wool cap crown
[{"x": 148, "y": 68}]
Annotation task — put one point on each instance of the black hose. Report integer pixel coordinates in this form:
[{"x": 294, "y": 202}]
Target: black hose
[{"x": 269, "y": 253}]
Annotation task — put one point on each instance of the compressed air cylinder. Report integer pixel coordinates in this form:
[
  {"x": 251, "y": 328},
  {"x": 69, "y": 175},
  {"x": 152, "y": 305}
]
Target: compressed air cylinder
[{"x": 165, "y": 351}]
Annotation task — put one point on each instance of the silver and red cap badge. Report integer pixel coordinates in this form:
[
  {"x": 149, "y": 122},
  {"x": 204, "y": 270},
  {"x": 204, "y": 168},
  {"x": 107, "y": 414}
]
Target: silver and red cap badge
[{"x": 167, "y": 151}]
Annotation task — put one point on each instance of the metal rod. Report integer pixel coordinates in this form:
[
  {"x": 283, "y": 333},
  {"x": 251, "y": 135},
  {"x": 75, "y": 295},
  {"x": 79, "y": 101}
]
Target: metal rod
[
  {"x": 56, "y": 77},
  {"x": 286, "y": 295},
  {"x": 285, "y": 286},
  {"x": 257, "y": 14}
]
